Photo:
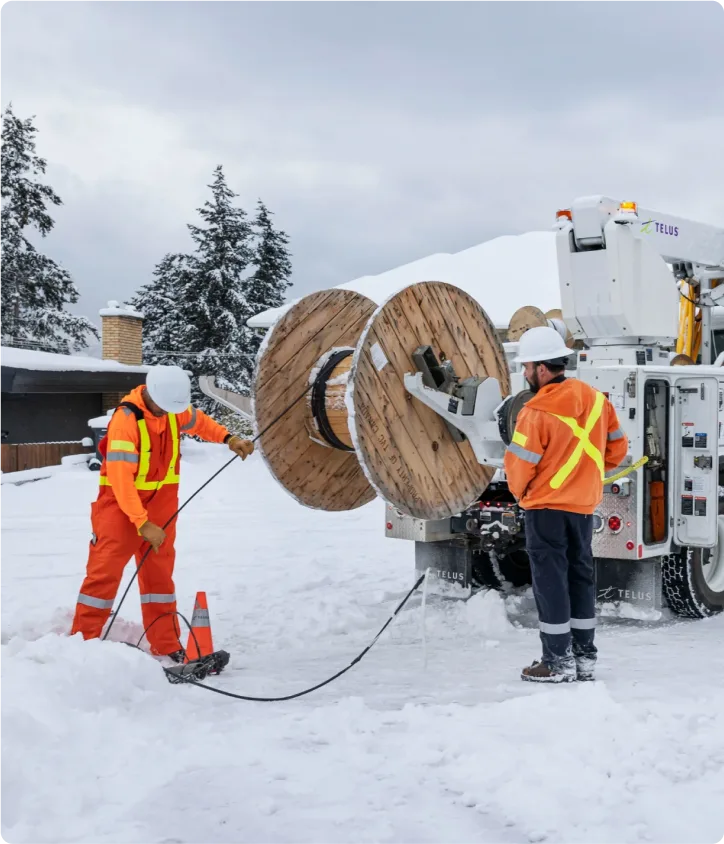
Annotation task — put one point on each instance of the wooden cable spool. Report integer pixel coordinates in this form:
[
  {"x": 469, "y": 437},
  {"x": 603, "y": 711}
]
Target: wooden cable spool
[
  {"x": 682, "y": 360},
  {"x": 523, "y": 319},
  {"x": 294, "y": 352},
  {"x": 402, "y": 449}
]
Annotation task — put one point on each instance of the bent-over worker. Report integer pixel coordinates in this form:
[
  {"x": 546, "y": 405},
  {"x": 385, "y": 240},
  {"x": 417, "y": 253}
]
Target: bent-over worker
[
  {"x": 138, "y": 494},
  {"x": 565, "y": 437}
]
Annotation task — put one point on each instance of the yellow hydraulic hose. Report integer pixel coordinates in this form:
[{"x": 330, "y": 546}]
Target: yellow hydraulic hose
[{"x": 627, "y": 471}]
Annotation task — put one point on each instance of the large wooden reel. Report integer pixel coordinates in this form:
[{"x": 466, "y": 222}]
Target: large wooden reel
[
  {"x": 355, "y": 430},
  {"x": 407, "y": 451},
  {"x": 316, "y": 474},
  {"x": 531, "y": 317}
]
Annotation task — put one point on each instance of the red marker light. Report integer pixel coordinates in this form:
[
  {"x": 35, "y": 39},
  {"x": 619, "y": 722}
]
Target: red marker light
[
  {"x": 630, "y": 545},
  {"x": 614, "y": 523},
  {"x": 615, "y": 489},
  {"x": 389, "y": 525}
]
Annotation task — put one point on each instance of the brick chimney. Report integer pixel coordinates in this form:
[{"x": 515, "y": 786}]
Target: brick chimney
[{"x": 122, "y": 336}]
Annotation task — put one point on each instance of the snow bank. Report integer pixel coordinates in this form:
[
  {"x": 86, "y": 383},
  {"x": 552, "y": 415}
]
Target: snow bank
[
  {"x": 47, "y": 361},
  {"x": 501, "y": 274},
  {"x": 98, "y": 747},
  {"x": 70, "y": 462}
]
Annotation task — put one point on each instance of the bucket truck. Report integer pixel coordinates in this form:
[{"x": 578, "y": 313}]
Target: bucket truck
[{"x": 639, "y": 295}]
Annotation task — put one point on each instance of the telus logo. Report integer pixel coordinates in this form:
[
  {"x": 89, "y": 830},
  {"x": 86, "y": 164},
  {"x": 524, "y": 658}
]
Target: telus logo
[{"x": 654, "y": 227}]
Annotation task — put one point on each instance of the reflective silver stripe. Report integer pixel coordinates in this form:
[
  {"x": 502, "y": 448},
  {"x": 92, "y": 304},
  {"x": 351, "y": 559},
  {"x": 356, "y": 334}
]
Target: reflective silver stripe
[
  {"x": 96, "y": 603},
  {"x": 583, "y": 623},
  {"x": 615, "y": 435},
  {"x": 200, "y": 618},
  {"x": 190, "y": 424},
  {"x": 555, "y": 628},
  {"x": 121, "y": 457},
  {"x": 127, "y": 410},
  {"x": 524, "y": 454},
  {"x": 157, "y": 598}
]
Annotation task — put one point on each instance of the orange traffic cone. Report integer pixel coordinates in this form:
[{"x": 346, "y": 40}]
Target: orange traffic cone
[{"x": 200, "y": 629}]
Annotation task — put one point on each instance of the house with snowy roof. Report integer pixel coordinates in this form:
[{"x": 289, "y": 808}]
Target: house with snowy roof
[{"x": 47, "y": 399}]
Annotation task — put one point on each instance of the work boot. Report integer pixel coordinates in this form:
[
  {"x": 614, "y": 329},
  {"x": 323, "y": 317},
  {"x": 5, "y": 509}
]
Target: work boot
[
  {"x": 585, "y": 668},
  {"x": 540, "y": 672},
  {"x": 177, "y": 656}
]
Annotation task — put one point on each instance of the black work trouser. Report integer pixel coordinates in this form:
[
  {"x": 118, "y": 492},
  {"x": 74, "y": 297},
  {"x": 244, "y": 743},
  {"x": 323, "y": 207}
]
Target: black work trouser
[{"x": 561, "y": 560}]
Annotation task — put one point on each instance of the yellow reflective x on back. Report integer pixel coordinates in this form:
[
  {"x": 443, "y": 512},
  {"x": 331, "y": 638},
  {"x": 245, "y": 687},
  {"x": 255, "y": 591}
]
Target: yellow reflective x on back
[
  {"x": 583, "y": 444},
  {"x": 144, "y": 465}
]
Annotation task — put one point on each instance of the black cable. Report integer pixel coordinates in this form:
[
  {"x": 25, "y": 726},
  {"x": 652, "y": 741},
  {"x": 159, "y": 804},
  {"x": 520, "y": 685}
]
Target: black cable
[
  {"x": 684, "y": 296},
  {"x": 354, "y": 662},
  {"x": 189, "y": 500},
  {"x": 319, "y": 392}
]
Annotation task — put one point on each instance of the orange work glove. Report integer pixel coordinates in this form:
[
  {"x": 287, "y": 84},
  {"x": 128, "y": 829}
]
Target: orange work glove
[
  {"x": 242, "y": 448},
  {"x": 153, "y": 534}
]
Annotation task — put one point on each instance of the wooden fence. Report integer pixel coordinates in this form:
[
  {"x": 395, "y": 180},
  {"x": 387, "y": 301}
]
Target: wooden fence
[{"x": 15, "y": 458}]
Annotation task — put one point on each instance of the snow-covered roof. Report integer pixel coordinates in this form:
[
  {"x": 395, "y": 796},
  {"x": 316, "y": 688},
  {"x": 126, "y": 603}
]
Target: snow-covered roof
[
  {"x": 48, "y": 361},
  {"x": 116, "y": 309},
  {"x": 501, "y": 274}
]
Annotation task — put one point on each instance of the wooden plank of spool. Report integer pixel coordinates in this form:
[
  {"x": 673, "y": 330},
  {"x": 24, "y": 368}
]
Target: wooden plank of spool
[
  {"x": 524, "y": 318},
  {"x": 406, "y": 449},
  {"x": 316, "y": 475}
]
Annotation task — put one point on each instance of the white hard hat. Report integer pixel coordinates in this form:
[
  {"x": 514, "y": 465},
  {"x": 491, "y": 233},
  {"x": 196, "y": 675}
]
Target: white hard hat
[
  {"x": 541, "y": 344},
  {"x": 169, "y": 387}
]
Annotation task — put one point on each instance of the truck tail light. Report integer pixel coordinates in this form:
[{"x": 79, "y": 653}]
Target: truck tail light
[{"x": 614, "y": 523}]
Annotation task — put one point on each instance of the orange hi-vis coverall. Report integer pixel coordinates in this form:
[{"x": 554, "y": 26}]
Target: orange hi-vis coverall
[
  {"x": 139, "y": 481},
  {"x": 565, "y": 438}
]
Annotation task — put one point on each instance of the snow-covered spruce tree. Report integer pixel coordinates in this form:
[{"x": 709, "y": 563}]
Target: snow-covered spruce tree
[
  {"x": 158, "y": 301},
  {"x": 268, "y": 284},
  {"x": 265, "y": 288},
  {"x": 213, "y": 307},
  {"x": 35, "y": 290}
]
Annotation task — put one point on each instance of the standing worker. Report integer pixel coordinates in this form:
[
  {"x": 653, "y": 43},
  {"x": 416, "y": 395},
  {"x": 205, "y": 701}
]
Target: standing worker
[
  {"x": 565, "y": 437},
  {"x": 138, "y": 494}
]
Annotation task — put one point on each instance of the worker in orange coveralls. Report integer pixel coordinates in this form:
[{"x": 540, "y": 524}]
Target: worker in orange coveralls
[{"x": 138, "y": 494}]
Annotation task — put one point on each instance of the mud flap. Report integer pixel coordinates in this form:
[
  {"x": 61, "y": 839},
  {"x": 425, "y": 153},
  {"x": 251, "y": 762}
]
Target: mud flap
[
  {"x": 450, "y": 564},
  {"x": 629, "y": 582}
]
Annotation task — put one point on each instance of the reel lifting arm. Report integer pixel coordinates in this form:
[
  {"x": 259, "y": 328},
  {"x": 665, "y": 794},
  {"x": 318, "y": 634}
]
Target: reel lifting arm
[{"x": 471, "y": 411}]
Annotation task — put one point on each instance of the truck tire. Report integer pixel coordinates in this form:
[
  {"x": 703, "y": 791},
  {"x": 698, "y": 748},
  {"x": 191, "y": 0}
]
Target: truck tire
[
  {"x": 692, "y": 589},
  {"x": 510, "y": 570}
]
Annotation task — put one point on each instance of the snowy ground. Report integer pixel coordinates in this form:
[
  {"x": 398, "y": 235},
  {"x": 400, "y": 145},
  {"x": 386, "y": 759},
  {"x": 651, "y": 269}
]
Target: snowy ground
[{"x": 97, "y": 746}]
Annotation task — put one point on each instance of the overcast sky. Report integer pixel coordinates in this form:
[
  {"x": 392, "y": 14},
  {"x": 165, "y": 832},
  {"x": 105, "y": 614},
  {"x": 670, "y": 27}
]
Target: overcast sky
[{"x": 378, "y": 133}]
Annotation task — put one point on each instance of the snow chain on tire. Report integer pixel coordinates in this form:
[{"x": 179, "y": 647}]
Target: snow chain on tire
[{"x": 679, "y": 588}]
